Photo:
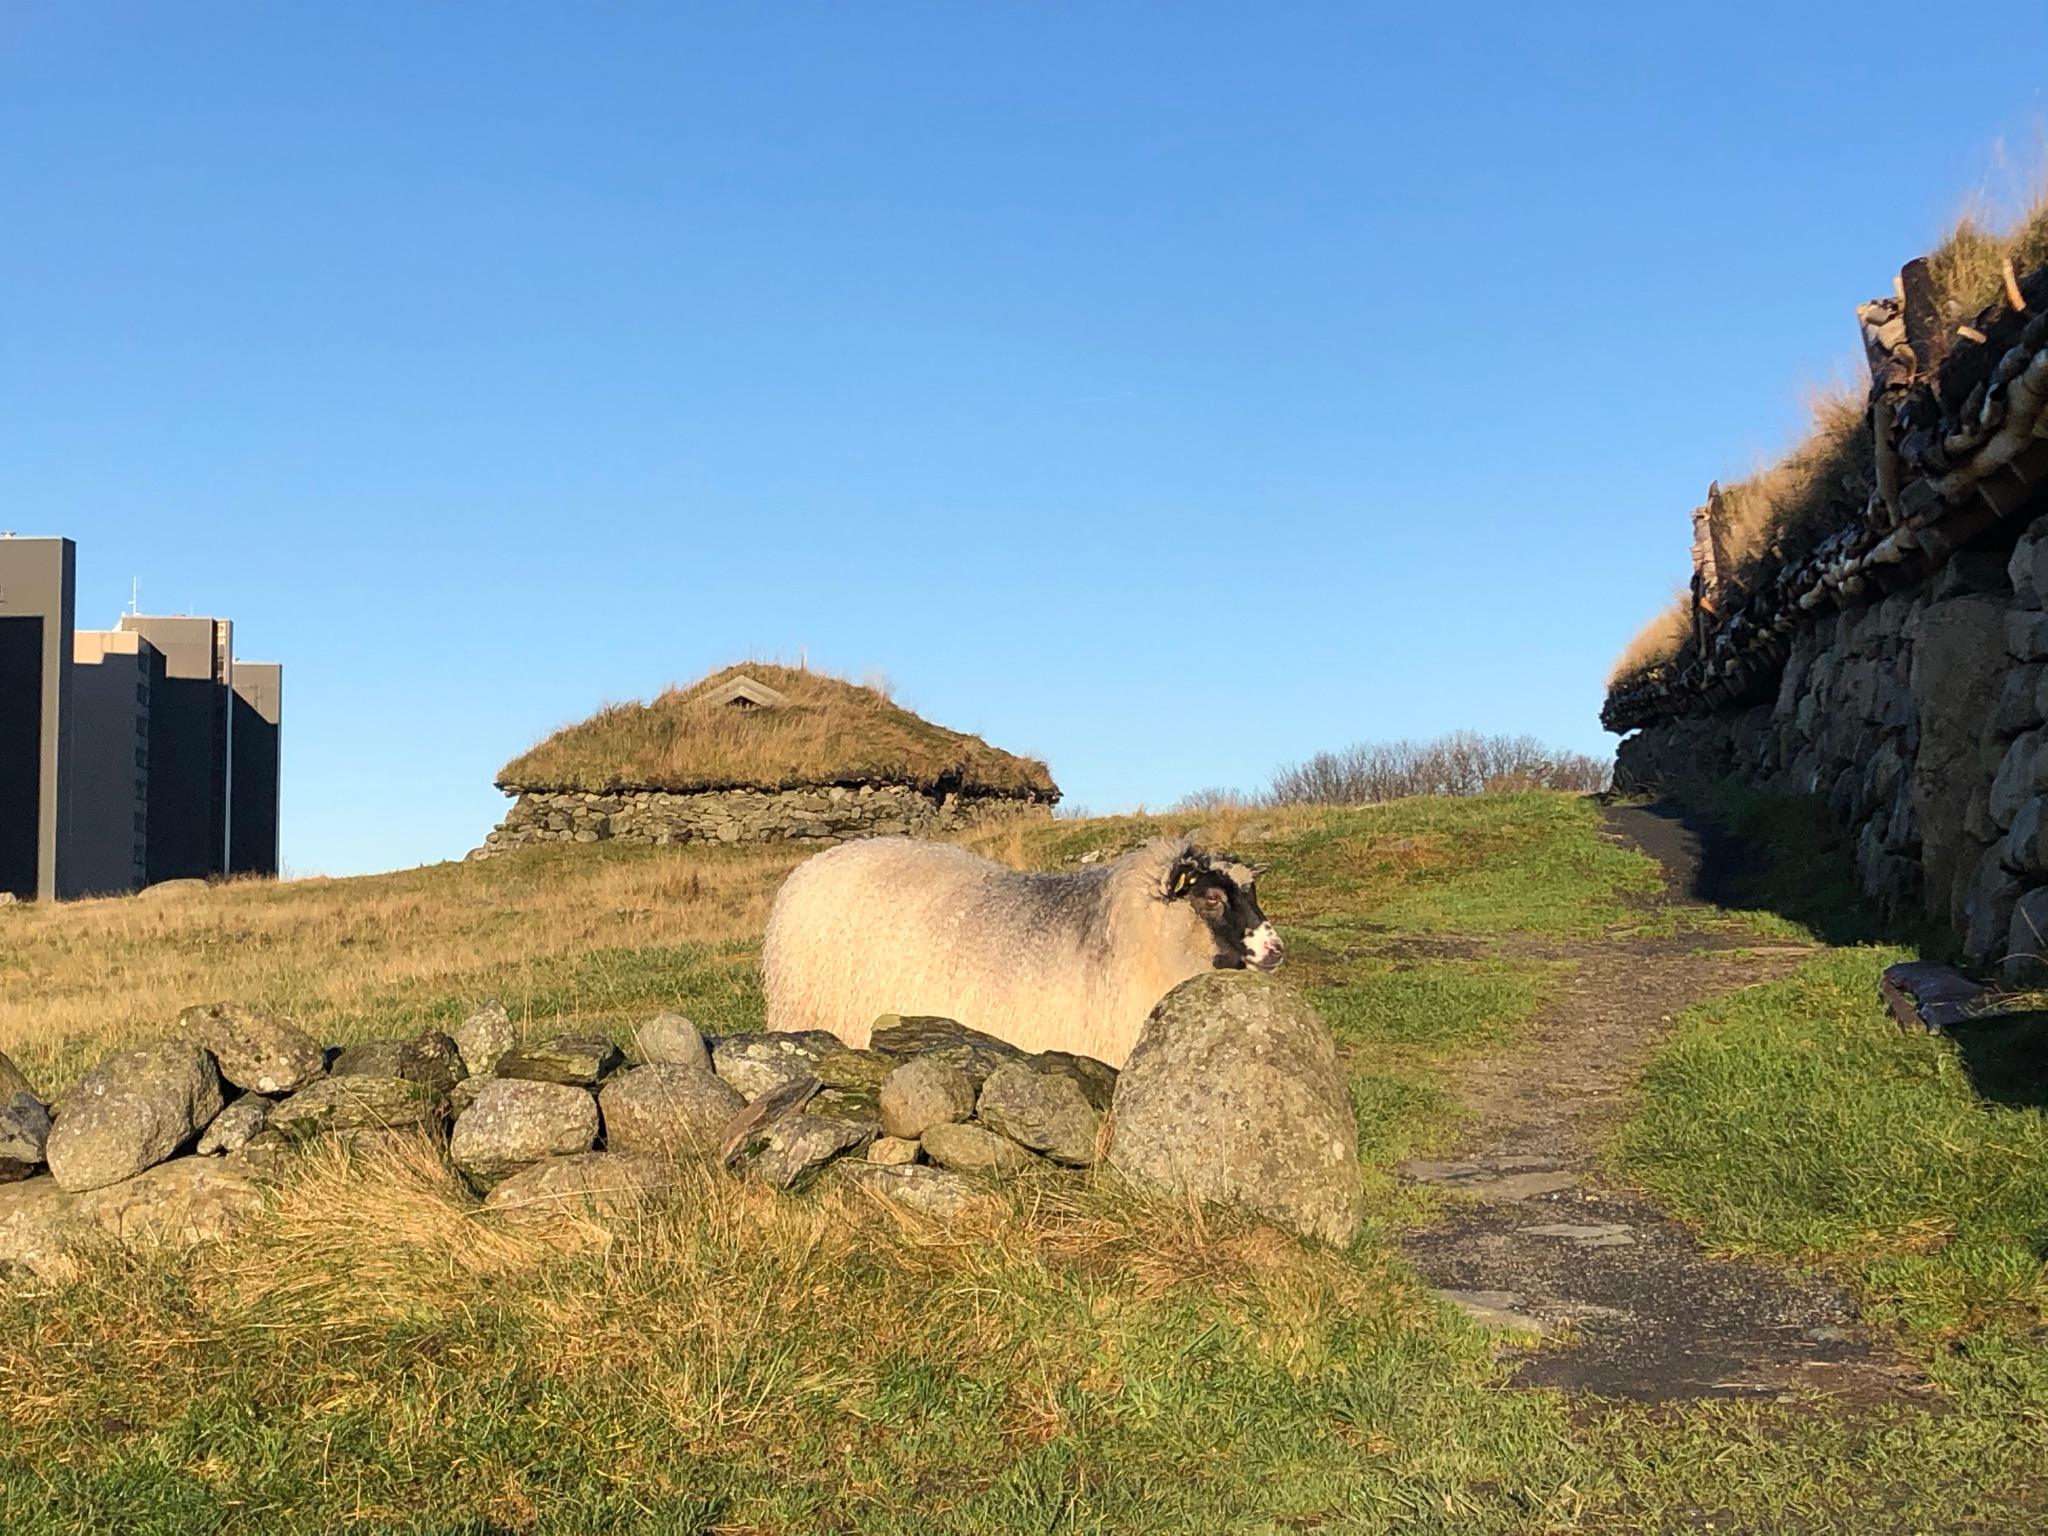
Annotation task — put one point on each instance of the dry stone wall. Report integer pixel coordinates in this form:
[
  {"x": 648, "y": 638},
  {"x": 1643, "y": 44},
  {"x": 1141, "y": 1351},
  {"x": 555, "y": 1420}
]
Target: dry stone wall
[
  {"x": 825, "y": 814},
  {"x": 1922, "y": 720}
]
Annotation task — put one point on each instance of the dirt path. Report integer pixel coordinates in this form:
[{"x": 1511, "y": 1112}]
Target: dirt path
[{"x": 1627, "y": 1302}]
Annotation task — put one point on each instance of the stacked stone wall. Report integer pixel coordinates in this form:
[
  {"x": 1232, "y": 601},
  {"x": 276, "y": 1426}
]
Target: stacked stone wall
[
  {"x": 825, "y": 814},
  {"x": 1919, "y": 719}
]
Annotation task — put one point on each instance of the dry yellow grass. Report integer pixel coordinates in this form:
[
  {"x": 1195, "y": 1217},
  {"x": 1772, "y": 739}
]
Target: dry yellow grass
[
  {"x": 1969, "y": 264},
  {"x": 1656, "y": 643},
  {"x": 830, "y": 732},
  {"x": 559, "y": 934}
]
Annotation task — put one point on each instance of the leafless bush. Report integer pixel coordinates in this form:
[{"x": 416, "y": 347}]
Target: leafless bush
[
  {"x": 1216, "y": 798},
  {"x": 1461, "y": 763}
]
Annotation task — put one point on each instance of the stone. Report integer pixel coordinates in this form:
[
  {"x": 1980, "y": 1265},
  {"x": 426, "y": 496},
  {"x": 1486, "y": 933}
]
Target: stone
[
  {"x": 1987, "y": 905},
  {"x": 1046, "y": 1111},
  {"x": 1956, "y": 673},
  {"x": 515, "y": 1122},
  {"x": 795, "y": 1144},
  {"x": 2026, "y": 635},
  {"x": 579, "y": 1061},
  {"x": 1233, "y": 1093},
  {"x": 232, "y": 1129},
  {"x": 185, "y": 1201},
  {"x": 24, "y": 1135},
  {"x": 860, "y": 1105},
  {"x": 667, "y": 1109},
  {"x": 1095, "y": 1079},
  {"x": 2026, "y": 941},
  {"x": 759, "y": 1063},
  {"x": 464, "y": 1093},
  {"x": 925, "y": 1091},
  {"x": 358, "y": 1102},
  {"x": 893, "y": 1151},
  {"x": 12, "y": 1079},
  {"x": 431, "y": 1059},
  {"x": 257, "y": 1051},
  {"x": 2027, "y": 569},
  {"x": 1494, "y": 1309},
  {"x": 131, "y": 1112},
  {"x": 483, "y": 1037},
  {"x": 672, "y": 1040},
  {"x": 2019, "y": 776},
  {"x": 2026, "y": 844},
  {"x": 586, "y": 1186},
  {"x": 858, "y": 1070},
  {"x": 944, "y": 1040},
  {"x": 928, "y": 1191},
  {"x": 974, "y": 1149},
  {"x": 2019, "y": 702}
]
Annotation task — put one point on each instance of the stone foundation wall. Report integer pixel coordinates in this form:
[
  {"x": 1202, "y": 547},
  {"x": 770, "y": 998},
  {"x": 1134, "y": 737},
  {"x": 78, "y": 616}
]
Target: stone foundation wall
[
  {"x": 828, "y": 814},
  {"x": 1920, "y": 720}
]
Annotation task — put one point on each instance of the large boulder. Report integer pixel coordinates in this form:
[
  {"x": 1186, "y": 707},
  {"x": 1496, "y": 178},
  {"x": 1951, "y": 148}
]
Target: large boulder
[
  {"x": 1233, "y": 1093},
  {"x": 667, "y": 1108},
  {"x": 1048, "y": 1112},
  {"x": 257, "y": 1051},
  {"x": 602, "y": 1186},
  {"x": 515, "y": 1122},
  {"x": 925, "y": 1091},
  {"x": 131, "y": 1112},
  {"x": 485, "y": 1036},
  {"x": 431, "y": 1059}
]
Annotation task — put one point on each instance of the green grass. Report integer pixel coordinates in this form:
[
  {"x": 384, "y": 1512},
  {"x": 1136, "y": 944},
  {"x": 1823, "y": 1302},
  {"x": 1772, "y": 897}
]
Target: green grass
[{"x": 372, "y": 1358}]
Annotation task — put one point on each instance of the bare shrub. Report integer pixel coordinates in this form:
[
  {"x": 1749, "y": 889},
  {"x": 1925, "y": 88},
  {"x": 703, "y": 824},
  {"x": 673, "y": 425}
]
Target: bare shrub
[{"x": 1461, "y": 763}]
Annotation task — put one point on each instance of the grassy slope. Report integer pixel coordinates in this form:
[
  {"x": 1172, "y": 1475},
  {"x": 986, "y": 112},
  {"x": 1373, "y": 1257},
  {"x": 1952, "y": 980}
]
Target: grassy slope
[{"x": 372, "y": 1358}]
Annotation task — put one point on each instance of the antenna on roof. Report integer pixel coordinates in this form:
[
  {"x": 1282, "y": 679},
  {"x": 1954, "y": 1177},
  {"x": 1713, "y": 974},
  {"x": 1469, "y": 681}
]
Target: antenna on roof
[{"x": 135, "y": 594}]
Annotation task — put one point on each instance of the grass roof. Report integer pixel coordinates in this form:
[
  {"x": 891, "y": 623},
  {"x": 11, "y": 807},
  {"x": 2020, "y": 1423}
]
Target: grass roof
[{"x": 828, "y": 731}]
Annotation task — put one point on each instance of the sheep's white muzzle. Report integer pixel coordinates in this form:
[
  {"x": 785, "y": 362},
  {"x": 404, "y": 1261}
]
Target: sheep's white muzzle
[{"x": 1263, "y": 949}]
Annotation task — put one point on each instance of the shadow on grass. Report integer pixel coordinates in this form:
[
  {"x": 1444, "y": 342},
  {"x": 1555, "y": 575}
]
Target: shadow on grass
[{"x": 1745, "y": 850}]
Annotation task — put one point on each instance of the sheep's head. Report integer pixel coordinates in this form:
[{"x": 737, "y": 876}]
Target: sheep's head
[{"x": 1224, "y": 895}]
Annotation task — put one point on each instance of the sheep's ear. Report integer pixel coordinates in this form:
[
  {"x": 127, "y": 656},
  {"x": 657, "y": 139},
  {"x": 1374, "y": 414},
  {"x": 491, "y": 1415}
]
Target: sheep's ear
[{"x": 1181, "y": 878}]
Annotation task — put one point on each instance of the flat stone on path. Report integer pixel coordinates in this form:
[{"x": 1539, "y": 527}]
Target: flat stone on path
[{"x": 1494, "y": 1309}]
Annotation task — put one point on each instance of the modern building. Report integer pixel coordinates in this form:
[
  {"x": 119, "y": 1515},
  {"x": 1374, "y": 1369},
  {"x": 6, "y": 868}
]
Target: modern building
[
  {"x": 127, "y": 756},
  {"x": 36, "y": 580}
]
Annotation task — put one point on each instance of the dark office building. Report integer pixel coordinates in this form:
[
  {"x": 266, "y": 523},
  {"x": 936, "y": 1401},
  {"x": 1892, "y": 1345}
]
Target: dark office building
[
  {"x": 257, "y": 735},
  {"x": 115, "y": 681},
  {"x": 119, "y": 759},
  {"x": 36, "y": 580},
  {"x": 191, "y": 745}
]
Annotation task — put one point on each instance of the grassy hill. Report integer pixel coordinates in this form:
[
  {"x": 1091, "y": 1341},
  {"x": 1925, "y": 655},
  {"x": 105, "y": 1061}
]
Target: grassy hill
[
  {"x": 828, "y": 732},
  {"x": 372, "y": 1358}
]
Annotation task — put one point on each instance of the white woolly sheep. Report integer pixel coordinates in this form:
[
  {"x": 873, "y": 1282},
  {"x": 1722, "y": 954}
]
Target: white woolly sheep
[{"x": 1069, "y": 962}]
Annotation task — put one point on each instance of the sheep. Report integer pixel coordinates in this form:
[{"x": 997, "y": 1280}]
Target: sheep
[{"x": 1070, "y": 962}]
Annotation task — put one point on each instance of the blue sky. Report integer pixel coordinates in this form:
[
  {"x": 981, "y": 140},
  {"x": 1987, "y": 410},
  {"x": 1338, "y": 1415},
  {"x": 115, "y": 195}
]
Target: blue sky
[{"x": 1167, "y": 390}]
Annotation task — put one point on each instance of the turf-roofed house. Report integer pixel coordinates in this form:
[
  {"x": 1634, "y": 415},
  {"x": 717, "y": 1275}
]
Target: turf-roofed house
[{"x": 761, "y": 754}]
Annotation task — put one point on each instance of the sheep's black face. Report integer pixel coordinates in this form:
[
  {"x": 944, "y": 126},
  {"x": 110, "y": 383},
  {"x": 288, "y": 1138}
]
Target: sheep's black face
[{"x": 1225, "y": 896}]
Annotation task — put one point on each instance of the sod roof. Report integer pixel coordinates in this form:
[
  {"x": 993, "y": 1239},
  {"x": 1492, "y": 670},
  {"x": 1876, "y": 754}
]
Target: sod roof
[{"x": 827, "y": 731}]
